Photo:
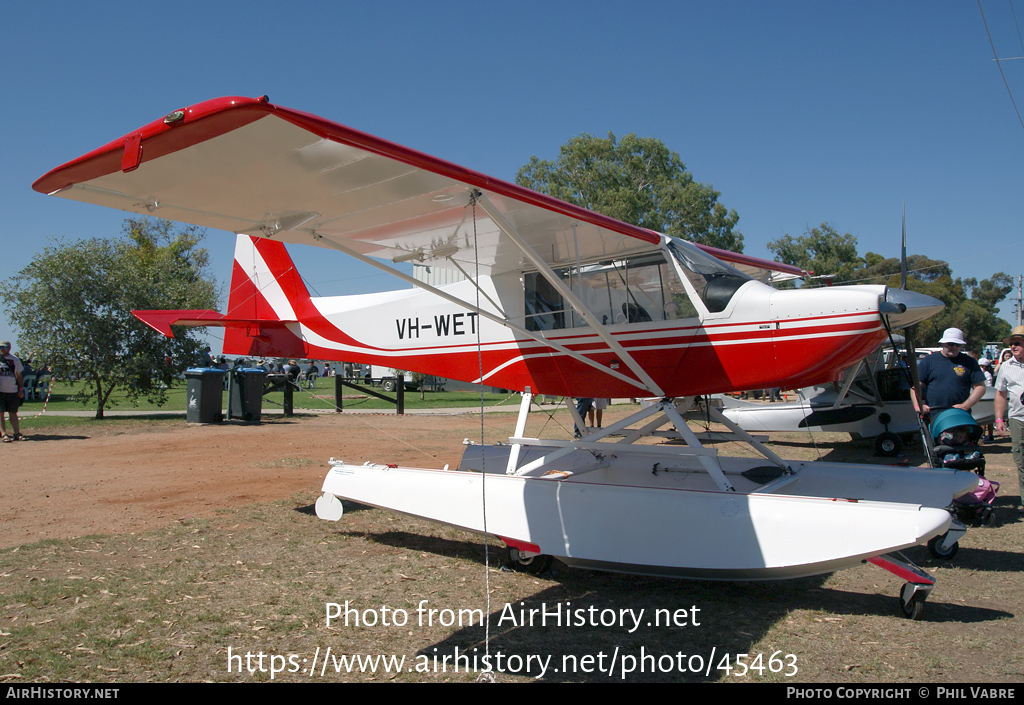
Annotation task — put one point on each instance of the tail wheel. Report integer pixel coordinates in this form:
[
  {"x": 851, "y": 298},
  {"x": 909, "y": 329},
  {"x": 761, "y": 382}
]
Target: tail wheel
[
  {"x": 532, "y": 564},
  {"x": 914, "y": 608}
]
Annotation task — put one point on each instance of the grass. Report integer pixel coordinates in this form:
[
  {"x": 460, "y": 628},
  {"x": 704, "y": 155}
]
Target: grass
[
  {"x": 64, "y": 397},
  {"x": 433, "y": 400}
]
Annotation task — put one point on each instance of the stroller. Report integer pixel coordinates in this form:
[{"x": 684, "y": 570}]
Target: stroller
[{"x": 956, "y": 436}]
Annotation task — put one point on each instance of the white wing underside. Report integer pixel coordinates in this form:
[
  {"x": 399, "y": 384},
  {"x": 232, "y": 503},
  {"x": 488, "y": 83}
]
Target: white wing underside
[
  {"x": 272, "y": 174},
  {"x": 297, "y": 178}
]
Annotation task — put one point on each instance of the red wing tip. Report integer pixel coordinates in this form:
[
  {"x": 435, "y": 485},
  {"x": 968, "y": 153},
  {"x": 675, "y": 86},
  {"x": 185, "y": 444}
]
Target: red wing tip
[{"x": 108, "y": 158}]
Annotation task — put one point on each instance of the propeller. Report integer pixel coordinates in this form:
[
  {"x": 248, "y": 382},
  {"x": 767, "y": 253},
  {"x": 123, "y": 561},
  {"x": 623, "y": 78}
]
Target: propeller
[
  {"x": 903, "y": 308},
  {"x": 915, "y": 379},
  {"x": 903, "y": 251}
]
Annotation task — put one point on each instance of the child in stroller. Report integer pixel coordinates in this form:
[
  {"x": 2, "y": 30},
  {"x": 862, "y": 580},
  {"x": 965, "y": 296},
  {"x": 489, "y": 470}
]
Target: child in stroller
[{"x": 956, "y": 436}]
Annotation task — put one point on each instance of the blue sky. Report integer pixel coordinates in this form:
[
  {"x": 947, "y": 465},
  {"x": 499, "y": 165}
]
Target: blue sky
[{"x": 797, "y": 112}]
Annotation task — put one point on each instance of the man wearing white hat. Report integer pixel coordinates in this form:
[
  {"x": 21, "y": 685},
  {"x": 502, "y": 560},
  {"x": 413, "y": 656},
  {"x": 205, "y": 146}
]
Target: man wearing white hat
[
  {"x": 950, "y": 378},
  {"x": 1010, "y": 392}
]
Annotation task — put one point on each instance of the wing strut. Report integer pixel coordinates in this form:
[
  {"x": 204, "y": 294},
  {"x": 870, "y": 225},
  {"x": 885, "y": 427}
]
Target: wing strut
[
  {"x": 479, "y": 311},
  {"x": 707, "y": 457},
  {"x": 850, "y": 373},
  {"x": 711, "y": 464},
  {"x": 499, "y": 220}
]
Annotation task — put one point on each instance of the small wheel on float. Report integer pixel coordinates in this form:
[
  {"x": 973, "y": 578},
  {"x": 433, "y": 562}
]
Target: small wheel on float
[
  {"x": 534, "y": 565},
  {"x": 937, "y": 551},
  {"x": 913, "y": 608},
  {"x": 912, "y": 600},
  {"x": 888, "y": 445}
]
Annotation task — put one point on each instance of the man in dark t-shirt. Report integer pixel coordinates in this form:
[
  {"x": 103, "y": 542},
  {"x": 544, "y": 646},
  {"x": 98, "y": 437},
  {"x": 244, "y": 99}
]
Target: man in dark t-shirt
[
  {"x": 950, "y": 378},
  {"x": 12, "y": 391}
]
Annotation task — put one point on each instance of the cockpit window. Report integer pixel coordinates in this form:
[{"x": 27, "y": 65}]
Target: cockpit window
[
  {"x": 631, "y": 290},
  {"x": 714, "y": 280},
  {"x": 545, "y": 309}
]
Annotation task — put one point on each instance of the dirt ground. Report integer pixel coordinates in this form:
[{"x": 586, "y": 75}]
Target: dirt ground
[{"x": 137, "y": 476}]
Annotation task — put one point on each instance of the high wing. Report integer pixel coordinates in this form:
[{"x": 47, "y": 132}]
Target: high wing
[{"x": 248, "y": 166}]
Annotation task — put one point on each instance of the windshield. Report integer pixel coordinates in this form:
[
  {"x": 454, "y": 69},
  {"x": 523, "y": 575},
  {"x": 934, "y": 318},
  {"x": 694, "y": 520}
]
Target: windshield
[{"x": 714, "y": 280}]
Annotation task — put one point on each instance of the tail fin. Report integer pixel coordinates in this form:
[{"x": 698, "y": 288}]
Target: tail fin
[
  {"x": 266, "y": 292},
  {"x": 264, "y": 282},
  {"x": 266, "y": 295}
]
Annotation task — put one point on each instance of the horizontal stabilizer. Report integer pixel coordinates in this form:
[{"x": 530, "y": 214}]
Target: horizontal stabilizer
[{"x": 161, "y": 321}]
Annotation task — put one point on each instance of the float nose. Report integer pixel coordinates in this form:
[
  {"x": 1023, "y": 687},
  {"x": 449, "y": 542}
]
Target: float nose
[{"x": 905, "y": 308}]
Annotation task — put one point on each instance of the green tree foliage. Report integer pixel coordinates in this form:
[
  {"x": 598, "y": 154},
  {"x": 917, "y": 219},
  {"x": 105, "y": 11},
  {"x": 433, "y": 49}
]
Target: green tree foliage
[
  {"x": 822, "y": 251},
  {"x": 637, "y": 180},
  {"x": 879, "y": 270},
  {"x": 73, "y": 303},
  {"x": 970, "y": 305}
]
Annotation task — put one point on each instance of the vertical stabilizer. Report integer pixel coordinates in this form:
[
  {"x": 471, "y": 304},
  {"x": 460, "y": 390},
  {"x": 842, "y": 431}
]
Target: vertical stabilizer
[
  {"x": 264, "y": 287},
  {"x": 264, "y": 283}
]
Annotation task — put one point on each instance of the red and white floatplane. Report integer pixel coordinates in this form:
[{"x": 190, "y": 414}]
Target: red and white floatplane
[{"x": 556, "y": 300}]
